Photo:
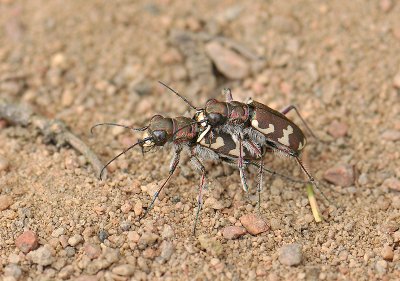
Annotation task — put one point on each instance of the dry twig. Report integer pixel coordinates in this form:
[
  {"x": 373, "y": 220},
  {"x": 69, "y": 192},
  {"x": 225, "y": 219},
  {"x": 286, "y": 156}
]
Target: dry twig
[
  {"x": 310, "y": 194},
  {"x": 52, "y": 129}
]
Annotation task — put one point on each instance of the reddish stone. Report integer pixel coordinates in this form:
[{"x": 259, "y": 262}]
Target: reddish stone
[
  {"x": 337, "y": 129},
  {"x": 92, "y": 251},
  {"x": 342, "y": 175},
  {"x": 254, "y": 224},
  {"x": 229, "y": 63},
  {"x": 27, "y": 241},
  {"x": 392, "y": 183},
  {"x": 233, "y": 232},
  {"x": 5, "y": 202}
]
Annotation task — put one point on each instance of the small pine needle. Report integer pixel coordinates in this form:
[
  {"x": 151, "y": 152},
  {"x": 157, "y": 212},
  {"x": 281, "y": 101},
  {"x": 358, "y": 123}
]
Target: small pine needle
[{"x": 313, "y": 203}]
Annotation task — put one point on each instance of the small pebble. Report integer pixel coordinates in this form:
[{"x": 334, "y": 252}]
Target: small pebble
[
  {"x": 337, "y": 129},
  {"x": 27, "y": 241},
  {"x": 58, "y": 232},
  {"x": 396, "y": 81},
  {"x": 386, "y": 5},
  {"x": 124, "y": 270},
  {"x": 254, "y": 224},
  {"x": 214, "y": 203},
  {"x": 92, "y": 251},
  {"x": 63, "y": 239},
  {"x": 233, "y": 232},
  {"x": 4, "y": 164},
  {"x": 391, "y": 135},
  {"x": 126, "y": 208},
  {"x": 392, "y": 183},
  {"x": 149, "y": 253},
  {"x": 66, "y": 272},
  {"x": 59, "y": 60},
  {"x": 138, "y": 208},
  {"x": 342, "y": 175},
  {"x": 211, "y": 245},
  {"x": 75, "y": 240},
  {"x": 290, "y": 254},
  {"x": 5, "y": 202},
  {"x": 41, "y": 256},
  {"x": 148, "y": 239},
  {"x": 387, "y": 253},
  {"x": 126, "y": 225},
  {"x": 70, "y": 251},
  {"x": 389, "y": 227},
  {"x": 167, "y": 249},
  {"x": 111, "y": 255},
  {"x": 103, "y": 235},
  {"x": 381, "y": 266},
  {"x": 14, "y": 258},
  {"x": 13, "y": 270},
  {"x": 227, "y": 62},
  {"x": 133, "y": 236},
  {"x": 167, "y": 232},
  {"x": 396, "y": 202}
]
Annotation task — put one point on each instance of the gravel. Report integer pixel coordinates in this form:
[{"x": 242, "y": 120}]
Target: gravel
[
  {"x": 167, "y": 249},
  {"x": 230, "y": 64},
  {"x": 387, "y": 253},
  {"x": 75, "y": 240},
  {"x": 5, "y": 202},
  {"x": 148, "y": 239},
  {"x": 342, "y": 175},
  {"x": 254, "y": 224},
  {"x": 392, "y": 183},
  {"x": 337, "y": 129},
  {"x": 27, "y": 241},
  {"x": 124, "y": 270},
  {"x": 42, "y": 256},
  {"x": 291, "y": 254},
  {"x": 233, "y": 232},
  {"x": 92, "y": 251},
  {"x": 89, "y": 62},
  {"x": 4, "y": 164}
]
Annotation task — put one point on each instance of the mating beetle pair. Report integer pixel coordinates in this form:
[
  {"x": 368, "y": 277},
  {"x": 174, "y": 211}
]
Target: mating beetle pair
[{"x": 230, "y": 131}]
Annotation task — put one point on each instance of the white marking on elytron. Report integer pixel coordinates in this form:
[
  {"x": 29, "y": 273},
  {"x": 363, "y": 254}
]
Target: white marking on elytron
[
  {"x": 269, "y": 130},
  {"x": 286, "y": 132},
  {"x": 301, "y": 145},
  {"x": 236, "y": 151},
  {"x": 249, "y": 101},
  {"x": 202, "y": 135},
  {"x": 219, "y": 142}
]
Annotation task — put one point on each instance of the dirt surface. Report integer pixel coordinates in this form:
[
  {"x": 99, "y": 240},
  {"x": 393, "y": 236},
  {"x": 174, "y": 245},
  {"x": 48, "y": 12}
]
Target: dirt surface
[{"x": 85, "y": 62}]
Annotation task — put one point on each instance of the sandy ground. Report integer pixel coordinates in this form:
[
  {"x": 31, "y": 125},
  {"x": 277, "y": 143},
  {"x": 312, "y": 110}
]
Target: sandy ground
[{"x": 92, "y": 61}]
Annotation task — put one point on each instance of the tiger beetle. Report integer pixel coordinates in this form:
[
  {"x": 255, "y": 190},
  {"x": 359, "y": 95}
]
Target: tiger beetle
[
  {"x": 253, "y": 125},
  {"x": 183, "y": 134}
]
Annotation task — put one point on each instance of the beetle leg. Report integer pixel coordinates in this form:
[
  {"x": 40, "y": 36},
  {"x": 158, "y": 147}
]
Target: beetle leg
[
  {"x": 174, "y": 164},
  {"x": 241, "y": 167},
  {"x": 289, "y": 108},
  {"x": 260, "y": 181},
  {"x": 200, "y": 166}
]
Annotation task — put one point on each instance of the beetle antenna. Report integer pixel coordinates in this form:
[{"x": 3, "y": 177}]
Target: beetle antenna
[
  {"x": 179, "y": 95},
  {"x": 123, "y": 152},
  {"x": 118, "y": 125}
]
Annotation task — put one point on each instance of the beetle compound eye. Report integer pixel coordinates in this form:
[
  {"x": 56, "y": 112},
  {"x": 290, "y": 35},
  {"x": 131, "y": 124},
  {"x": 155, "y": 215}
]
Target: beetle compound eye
[
  {"x": 160, "y": 137},
  {"x": 215, "y": 119}
]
